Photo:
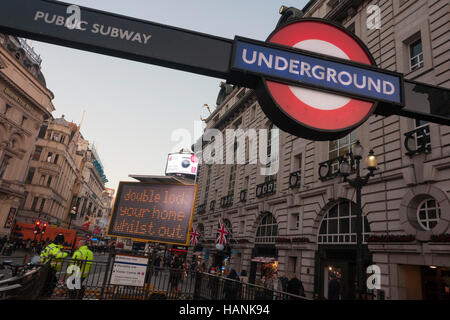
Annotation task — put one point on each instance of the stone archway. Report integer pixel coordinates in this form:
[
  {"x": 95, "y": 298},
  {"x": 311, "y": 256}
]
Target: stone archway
[{"x": 337, "y": 250}]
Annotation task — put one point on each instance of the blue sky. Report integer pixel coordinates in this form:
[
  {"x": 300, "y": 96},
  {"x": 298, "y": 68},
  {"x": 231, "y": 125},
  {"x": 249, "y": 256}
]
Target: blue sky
[{"x": 132, "y": 108}]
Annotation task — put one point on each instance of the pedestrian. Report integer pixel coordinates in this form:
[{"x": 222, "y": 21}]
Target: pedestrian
[
  {"x": 274, "y": 284},
  {"x": 244, "y": 279},
  {"x": 231, "y": 286},
  {"x": 334, "y": 288},
  {"x": 176, "y": 269},
  {"x": 284, "y": 281},
  {"x": 157, "y": 265},
  {"x": 82, "y": 259},
  {"x": 295, "y": 286},
  {"x": 28, "y": 245},
  {"x": 53, "y": 255}
]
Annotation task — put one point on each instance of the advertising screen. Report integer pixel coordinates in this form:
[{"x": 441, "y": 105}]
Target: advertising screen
[
  {"x": 182, "y": 163},
  {"x": 153, "y": 212}
]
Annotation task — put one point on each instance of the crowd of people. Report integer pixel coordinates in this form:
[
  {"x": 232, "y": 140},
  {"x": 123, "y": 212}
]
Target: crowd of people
[
  {"x": 9, "y": 246},
  {"x": 238, "y": 288}
]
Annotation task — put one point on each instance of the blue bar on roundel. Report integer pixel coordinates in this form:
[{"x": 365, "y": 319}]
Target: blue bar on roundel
[{"x": 317, "y": 72}]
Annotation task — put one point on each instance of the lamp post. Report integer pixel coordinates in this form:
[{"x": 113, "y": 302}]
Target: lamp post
[
  {"x": 73, "y": 213},
  {"x": 358, "y": 182}
]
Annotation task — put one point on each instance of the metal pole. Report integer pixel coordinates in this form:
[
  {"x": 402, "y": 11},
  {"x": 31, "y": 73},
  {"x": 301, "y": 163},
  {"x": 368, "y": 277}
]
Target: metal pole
[{"x": 359, "y": 247}]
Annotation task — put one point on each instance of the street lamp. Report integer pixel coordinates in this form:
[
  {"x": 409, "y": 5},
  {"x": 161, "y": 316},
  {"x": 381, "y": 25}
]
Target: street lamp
[
  {"x": 358, "y": 182},
  {"x": 73, "y": 213}
]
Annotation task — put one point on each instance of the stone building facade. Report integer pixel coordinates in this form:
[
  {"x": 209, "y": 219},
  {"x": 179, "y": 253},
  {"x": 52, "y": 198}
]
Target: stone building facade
[
  {"x": 90, "y": 203},
  {"x": 25, "y": 103},
  {"x": 302, "y": 218},
  {"x": 52, "y": 174}
]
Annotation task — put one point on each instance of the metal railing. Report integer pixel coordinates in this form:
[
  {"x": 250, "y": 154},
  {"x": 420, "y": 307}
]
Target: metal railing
[
  {"x": 213, "y": 287},
  {"x": 24, "y": 284},
  {"x": 160, "y": 284},
  {"x": 226, "y": 201},
  {"x": 331, "y": 168},
  {"x": 267, "y": 188}
]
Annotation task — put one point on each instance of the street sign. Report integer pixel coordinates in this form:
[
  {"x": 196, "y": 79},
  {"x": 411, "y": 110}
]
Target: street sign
[
  {"x": 314, "y": 112},
  {"x": 339, "y": 89},
  {"x": 129, "y": 270},
  {"x": 153, "y": 212},
  {"x": 302, "y": 68}
]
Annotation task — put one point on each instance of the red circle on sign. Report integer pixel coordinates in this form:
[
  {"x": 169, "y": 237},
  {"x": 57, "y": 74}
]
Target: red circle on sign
[{"x": 345, "y": 117}]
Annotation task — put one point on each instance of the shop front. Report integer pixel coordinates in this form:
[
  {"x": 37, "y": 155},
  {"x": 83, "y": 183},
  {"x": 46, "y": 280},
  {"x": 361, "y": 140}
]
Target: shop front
[{"x": 264, "y": 263}]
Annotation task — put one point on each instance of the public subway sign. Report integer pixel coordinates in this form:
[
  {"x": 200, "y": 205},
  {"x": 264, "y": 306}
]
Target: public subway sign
[
  {"x": 153, "y": 212},
  {"x": 313, "y": 78}
]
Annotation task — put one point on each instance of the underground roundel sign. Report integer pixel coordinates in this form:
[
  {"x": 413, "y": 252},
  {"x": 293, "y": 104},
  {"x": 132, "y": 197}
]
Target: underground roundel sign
[{"x": 335, "y": 85}]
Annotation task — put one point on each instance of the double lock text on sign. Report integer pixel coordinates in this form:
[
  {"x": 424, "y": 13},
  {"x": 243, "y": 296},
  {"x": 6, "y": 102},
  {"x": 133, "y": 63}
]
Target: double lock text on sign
[{"x": 153, "y": 212}]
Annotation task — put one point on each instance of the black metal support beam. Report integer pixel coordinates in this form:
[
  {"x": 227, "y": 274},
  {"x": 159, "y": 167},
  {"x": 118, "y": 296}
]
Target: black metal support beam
[
  {"x": 171, "y": 47},
  {"x": 117, "y": 35}
]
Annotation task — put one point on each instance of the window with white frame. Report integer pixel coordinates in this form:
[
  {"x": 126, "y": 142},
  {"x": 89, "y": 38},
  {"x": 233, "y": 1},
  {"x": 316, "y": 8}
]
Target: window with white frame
[
  {"x": 267, "y": 230},
  {"x": 340, "y": 147},
  {"x": 428, "y": 213},
  {"x": 339, "y": 225},
  {"x": 415, "y": 55}
]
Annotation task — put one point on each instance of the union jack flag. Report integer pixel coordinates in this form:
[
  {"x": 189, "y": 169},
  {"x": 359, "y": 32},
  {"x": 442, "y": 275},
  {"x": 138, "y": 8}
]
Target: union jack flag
[
  {"x": 222, "y": 233},
  {"x": 194, "y": 237},
  {"x": 86, "y": 225}
]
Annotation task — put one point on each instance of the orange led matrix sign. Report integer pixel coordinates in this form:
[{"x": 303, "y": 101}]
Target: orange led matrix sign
[{"x": 153, "y": 212}]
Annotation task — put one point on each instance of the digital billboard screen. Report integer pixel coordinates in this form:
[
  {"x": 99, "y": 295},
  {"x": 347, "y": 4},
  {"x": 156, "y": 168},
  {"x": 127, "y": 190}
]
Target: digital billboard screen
[
  {"x": 153, "y": 212},
  {"x": 182, "y": 163}
]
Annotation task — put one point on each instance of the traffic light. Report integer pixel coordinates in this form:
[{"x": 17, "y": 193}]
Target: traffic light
[
  {"x": 44, "y": 226},
  {"x": 37, "y": 227}
]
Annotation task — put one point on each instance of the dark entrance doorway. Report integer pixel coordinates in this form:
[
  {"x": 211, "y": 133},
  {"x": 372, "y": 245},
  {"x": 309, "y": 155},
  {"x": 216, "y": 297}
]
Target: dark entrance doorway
[
  {"x": 337, "y": 263},
  {"x": 435, "y": 283}
]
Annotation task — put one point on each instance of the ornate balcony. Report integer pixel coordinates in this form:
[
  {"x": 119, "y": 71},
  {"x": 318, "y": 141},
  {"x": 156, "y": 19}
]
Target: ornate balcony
[
  {"x": 212, "y": 205},
  {"x": 418, "y": 140},
  {"x": 267, "y": 188},
  {"x": 330, "y": 168},
  {"x": 50, "y": 166},
  {"x": 295, "y": 179},
  {"x": 243, "y": 195},
  {"x": 226, "y": 201},
  {"x": 201, "y": 208}
]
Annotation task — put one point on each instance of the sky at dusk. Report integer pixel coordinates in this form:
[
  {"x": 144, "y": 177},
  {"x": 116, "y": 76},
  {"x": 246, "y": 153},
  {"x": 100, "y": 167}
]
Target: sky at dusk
[{"x": 131, "y": 108}]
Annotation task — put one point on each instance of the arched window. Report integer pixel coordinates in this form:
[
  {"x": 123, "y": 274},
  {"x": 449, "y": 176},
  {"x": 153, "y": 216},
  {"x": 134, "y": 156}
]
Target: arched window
[
  {"x": 267, "y": 230},
  {"x": 428, "y": 213},
  {"x": 339, "y": 225}
]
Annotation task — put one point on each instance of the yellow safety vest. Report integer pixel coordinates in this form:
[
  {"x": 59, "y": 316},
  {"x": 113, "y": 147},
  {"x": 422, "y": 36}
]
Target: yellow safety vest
[
  {"x": 85, "y": 257},
  {"x": 53, "y": 253}
]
